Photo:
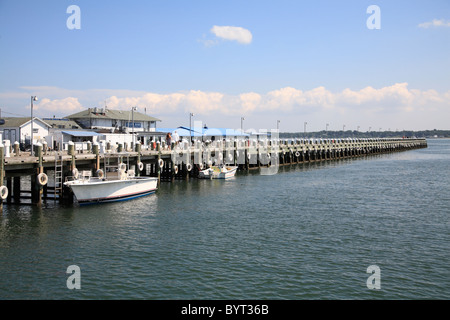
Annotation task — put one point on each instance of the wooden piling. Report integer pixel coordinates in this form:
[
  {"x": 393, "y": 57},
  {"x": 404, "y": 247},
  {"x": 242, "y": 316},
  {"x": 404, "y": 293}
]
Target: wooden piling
[{"x": 2, "y": 171}]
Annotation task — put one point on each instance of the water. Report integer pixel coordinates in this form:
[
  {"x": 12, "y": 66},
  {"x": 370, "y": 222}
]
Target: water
[{"x": 308, "y": 232}]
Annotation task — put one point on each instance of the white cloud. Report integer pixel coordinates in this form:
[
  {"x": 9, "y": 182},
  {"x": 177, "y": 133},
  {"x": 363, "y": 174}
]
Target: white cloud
[
  {"x": 68, "y": 105},
  {"x": 435, "y": 23},
  {"x": 238, "y": 34},
  {"x": 396, "y": 104}
]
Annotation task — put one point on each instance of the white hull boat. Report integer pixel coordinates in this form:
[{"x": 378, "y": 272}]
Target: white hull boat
[
  {"x": 216, "y": 172},
  {"x": 89, "y": 190}
]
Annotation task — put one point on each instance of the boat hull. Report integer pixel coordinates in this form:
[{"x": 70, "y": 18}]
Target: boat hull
[{"x": 88, "y": 192}]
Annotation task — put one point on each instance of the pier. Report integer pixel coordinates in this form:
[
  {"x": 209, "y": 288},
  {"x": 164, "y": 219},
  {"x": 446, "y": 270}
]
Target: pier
[{"x": 33, "y": 179}]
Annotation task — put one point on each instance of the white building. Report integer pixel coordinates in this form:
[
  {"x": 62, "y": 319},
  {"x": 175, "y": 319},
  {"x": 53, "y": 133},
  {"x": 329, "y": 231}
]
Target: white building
[
  {"x": 19, "y": 129},
  {"x": 114, "y": 121}
]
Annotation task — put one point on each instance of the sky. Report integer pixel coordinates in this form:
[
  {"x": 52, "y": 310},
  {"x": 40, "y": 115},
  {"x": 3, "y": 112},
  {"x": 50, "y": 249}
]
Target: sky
[{"x": 336, "y": 65}]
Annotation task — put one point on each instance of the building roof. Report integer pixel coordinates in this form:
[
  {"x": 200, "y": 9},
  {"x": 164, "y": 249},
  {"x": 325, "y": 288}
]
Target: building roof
[
  {"x": 100, "y": 113},
  {"x": 62, "y": 123},
  {"x": 20, "y": 121}
]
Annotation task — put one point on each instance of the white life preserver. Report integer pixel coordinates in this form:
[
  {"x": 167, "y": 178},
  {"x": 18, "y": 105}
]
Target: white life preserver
[
  {"x": 161, "y": 163},
  {"x": 188, "y": 167},
  {"x": 140, "y": 166},
  {"x": 100, "y": 173},
  {"x": 3, "y": 192},
  {"x": 42, "y": 179},
  {"x": 297, "y": 154}
]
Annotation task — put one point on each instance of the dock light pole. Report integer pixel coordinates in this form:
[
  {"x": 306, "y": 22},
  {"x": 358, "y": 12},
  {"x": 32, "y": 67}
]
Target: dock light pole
[
  {"x": 242, "y": 124},
  {"x": 190, "y": 127},
  {"x": 304, "y": 127},
  {"x": 278, "y": 126},
  {"x": 33, "y": 98}
]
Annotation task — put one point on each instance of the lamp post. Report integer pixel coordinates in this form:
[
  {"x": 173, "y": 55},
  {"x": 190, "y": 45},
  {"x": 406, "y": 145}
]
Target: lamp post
[
  {"x": 33, "y": 98},
  {"x": 242, "y": 125},
  {"x": 278, "y": 126},
  {"x": 304, "y": 127},
  {"x": 190, "y": 127}
]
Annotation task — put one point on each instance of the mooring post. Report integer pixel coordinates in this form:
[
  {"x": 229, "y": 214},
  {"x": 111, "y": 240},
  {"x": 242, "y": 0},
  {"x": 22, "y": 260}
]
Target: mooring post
[
  {"x": 95, "y": 150},
  {"x": 16, "y": 149},
  {"x": 138, "y": 158},
  {"x": 36, "y": 187},
  {"x": 2, "y": 172},
  {"x": 71, "y": 152},
  {"x": 158, "y": 167}
]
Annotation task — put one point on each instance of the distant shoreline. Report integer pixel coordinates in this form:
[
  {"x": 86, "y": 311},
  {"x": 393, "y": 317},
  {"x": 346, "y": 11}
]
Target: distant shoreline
[{"x": 428, "y": 134}]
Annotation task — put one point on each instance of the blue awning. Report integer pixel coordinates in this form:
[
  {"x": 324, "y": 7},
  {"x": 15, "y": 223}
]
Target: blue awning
[{"x": 81, "y": 133}]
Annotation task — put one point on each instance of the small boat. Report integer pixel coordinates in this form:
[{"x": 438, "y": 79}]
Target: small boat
[
  {"x": 218, "y": 172},
  {"x": 90, "y": 190}
]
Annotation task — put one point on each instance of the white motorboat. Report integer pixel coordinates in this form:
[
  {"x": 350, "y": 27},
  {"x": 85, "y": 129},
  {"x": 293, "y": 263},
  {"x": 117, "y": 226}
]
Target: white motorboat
[
  {"x": 126, "y": 186},
  {"x": 218, "y": 172}
]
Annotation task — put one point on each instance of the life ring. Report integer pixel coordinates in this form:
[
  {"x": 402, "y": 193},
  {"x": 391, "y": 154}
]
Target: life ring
[
  {"x": 175, "y": 169},
  {"x": 161, "y": 163},
  {"x": 189, "y": 167},
  {"x": 140, "y": 166},
  {"x": 42, "y": 179},
  {"x": 3, "y": 192},
  {"x": 122, "y": 166},
  {"x": 297, "y": 154},
  {"x": 100, "y": 173},
  {"x": 75, "y": 173}
]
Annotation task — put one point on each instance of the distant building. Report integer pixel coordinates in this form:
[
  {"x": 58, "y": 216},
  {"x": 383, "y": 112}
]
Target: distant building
[
  {"x": 19, "y": 129},
  {"x": 114, "y": 121}
]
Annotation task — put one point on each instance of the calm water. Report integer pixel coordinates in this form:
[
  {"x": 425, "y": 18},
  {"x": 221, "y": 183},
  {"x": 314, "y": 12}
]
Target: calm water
[{"x": 308, "y": 232}]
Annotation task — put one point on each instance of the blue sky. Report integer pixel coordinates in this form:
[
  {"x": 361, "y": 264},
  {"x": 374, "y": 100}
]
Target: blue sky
[{"x": 307, "y": 61}]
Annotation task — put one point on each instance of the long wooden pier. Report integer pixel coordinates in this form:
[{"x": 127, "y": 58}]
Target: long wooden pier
[{"x": 32, "y": 179}]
